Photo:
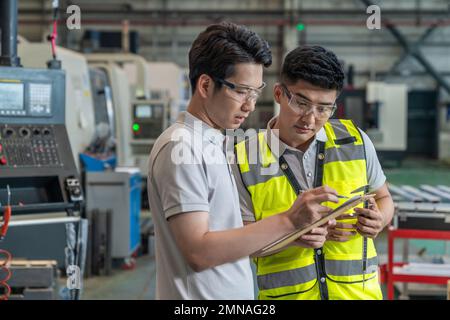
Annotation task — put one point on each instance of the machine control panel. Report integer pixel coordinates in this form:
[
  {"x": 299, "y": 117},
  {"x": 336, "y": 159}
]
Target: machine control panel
[
  {"x": 150, "y": 118},
  {"x": 28, "y": 145},
  {"x": 35, "y": 155}
]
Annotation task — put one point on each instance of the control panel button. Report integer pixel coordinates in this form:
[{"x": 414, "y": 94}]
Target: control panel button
[
  {"x": 24, "y": 146},
  {"x": 8, "y": 132},
  {"x": 24, "y": 132}
]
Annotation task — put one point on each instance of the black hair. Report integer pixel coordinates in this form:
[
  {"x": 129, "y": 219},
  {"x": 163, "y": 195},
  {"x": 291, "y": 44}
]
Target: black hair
[
  {"x": 220, "y": 47},
  {"x": 315, "y": 65}
]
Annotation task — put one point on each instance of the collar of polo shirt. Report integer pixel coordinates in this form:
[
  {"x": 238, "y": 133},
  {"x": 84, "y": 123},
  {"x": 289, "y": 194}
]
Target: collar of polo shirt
[
  {"x": 271, "y": 136},
  {"x": 208, "y": 133}
]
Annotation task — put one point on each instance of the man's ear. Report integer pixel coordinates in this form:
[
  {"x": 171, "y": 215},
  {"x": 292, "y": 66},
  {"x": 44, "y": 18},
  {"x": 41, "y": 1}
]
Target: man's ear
[
  {"x": 205, "y": 85},
  {"x": 277, "y": 92}
]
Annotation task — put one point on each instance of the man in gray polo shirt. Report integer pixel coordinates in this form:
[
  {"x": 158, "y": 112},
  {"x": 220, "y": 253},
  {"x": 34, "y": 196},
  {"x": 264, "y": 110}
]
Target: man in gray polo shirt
[{"x": 202, "y": 247}]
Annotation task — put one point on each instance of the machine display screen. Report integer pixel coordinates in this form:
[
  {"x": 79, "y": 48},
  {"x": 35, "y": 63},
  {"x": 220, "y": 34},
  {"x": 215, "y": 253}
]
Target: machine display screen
[
  {"x": 143, "y": 111},
  {"x": 11, "y": 96}
]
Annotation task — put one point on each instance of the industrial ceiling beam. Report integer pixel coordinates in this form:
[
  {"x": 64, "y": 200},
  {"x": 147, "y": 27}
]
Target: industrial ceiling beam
[
  {"x": 127, "y": 10},
  {"x": 415, "y": 52},
  {"x": 261, "y": 21},
  {"x": 414, "y": 47}
]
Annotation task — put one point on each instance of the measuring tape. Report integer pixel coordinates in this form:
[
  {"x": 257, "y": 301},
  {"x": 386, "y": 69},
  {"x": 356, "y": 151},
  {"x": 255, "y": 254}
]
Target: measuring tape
[{"x": 364, "y": 245}]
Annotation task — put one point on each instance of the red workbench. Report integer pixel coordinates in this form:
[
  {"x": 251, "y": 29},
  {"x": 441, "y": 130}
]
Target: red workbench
[{"x": 410, "y": 234}]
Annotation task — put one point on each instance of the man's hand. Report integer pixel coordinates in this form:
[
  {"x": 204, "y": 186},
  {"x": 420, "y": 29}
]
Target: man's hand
[
  {"x": 307, "y": 208},
  {"x": 370, "y": 221},
  {"x": 341, "y": 231},
  {"x": 316, "y": 237}
]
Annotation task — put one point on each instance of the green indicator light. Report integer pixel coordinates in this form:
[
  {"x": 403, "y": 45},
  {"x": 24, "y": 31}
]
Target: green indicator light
[
  {"x": 300, "y": 27},
  {"x": 136, "y": 127}
]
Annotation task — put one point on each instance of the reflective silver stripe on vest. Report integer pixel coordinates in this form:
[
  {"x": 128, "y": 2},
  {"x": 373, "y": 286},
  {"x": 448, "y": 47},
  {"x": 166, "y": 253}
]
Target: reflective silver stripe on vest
[
  {"x": 346, "y": 152},
  {"x": 349, "y": 267},
  {"x": 287, "y": 278},
  {"x": 339, "y": 129},
  {"x": 250, "y": 178},
  {"x": 257, "y": 173}
]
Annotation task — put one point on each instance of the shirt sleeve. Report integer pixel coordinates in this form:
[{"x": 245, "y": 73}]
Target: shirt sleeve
[
  {"x": 375, "y": 174},
  {"x": 245, "y": 200},
  {"x": 181, "y": 187}
]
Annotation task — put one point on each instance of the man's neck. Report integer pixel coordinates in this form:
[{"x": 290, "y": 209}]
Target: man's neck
[
  {"x": 283, "y": 136},
  {"x": 198, "y": 110}
]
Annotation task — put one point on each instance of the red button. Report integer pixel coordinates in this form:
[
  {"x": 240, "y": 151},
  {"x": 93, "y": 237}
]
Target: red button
[{"x": 3, "y": 160}]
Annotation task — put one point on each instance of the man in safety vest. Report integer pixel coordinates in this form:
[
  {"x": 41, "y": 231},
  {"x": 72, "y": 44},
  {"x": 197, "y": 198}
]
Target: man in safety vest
[{"x": 301, "y": 149}]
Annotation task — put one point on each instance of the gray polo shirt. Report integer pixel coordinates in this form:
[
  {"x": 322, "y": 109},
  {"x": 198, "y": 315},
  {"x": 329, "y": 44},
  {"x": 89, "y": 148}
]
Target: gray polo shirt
[
  {"x": 303, "y": 164},
  {"x": 188, "y": 172}
]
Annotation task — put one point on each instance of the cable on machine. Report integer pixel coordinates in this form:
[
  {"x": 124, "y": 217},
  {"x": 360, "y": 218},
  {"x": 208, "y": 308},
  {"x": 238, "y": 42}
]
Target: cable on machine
[
  {"x": 5, "y": 262},
  {"x": 54, "y": 63}
]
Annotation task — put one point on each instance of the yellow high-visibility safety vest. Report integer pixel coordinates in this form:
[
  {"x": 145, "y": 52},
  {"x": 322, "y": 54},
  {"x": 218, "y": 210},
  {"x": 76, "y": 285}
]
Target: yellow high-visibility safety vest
[{"x": 335, "y": 270}]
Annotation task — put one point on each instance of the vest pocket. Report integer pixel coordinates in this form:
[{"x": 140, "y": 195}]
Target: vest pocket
[
  {"x": 346, "y": 280},
  {"x": 304, "y": 291},
  {"x": 355, "y": 290},
  {"x": 343, "y": 187}
]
